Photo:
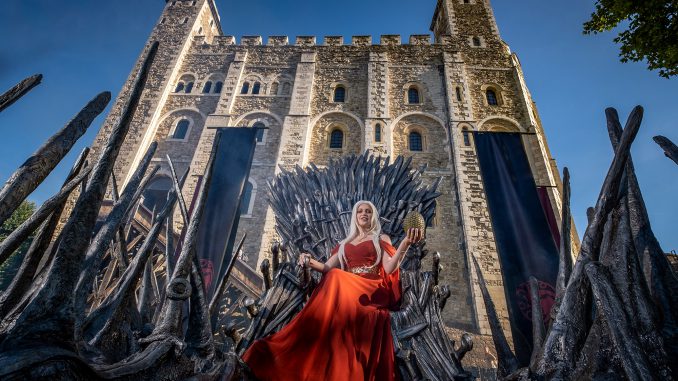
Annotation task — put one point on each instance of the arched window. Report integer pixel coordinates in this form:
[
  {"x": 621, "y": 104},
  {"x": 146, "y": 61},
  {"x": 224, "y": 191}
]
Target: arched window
[
  {"x": 491, "y": 97},
  {"x": 189, "y": 88},
  {"x": 274, "y": 89},
  {"x": 467, "y": 138},
  {"x": 256, "y": 88},
  {"x": 260, "y": 131},
  {"x": 413, "y": 96},
  {"x": 286, "y": 88},
  {"x": 207, "y": 88},
  {"x": 476, "y": 41},
  {"x": 415, "y": 142},
  {"x": 181, "y": 130},
  {"x": 458, "y": 91},
  {"x": 179, "y": 88},
  {"x": 245, "y": 88},
  {"x": 337, "y": 138},
  {"x": 155, "y": 194},
  {"x": 246, "y": 199},
  {"x": 377, "y": 133},
  {"x": 217, "y": 87},
  {"x": 340, "y": 94}
]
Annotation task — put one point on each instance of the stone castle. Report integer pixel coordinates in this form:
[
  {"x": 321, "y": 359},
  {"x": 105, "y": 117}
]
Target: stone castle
[{"x": 320, "y": 98}]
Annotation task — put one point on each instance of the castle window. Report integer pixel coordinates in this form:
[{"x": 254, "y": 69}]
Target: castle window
[
  {"x": 189, "y": 88},
  {"x": 181, "y": 130},
  {"x": 217, "y": 87},
  {"x": 458, "y": 91},
  {"x": 274, "y": 89},
  {"x": 180, "y": 87},
  {"x": 340, "y": 94},
  {"x": 256, "y": 88},
  {"x": 415, "y": 142},
  {"x": 246, "y": 199},
  {"x": 337, "y": 138},
  {"x": 467, "y": 138},
  {"x": 207, "y": 88},
  {"x": 413, "y": 95},
  {"x": 245, "y": 88},
  {"x": 200, "y": 31},
  {"x": 491, "y": 97},
  {"x": 377, "y": 133},
  {"x": 155, "y": 194},
  {"x": 261, "y": 128},
  {"x": 286, "y": 88},
  {"x": 185, "y": 20},
  {"x": 163, "y": 20},
  {"x": 476, "y": 41}
]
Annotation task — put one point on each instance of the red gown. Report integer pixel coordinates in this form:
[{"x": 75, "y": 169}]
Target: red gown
[{"x": 343, "y": 332}]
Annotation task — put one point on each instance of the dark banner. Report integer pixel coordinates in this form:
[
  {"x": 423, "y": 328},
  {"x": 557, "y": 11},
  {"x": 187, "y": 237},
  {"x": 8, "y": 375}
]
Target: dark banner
[
  {"x": 524, "y": 241},
  {"x": 220, "y": 218}
]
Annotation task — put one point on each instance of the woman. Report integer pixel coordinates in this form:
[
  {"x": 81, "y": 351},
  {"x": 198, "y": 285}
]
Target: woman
[{"x": 344, "y": 331}]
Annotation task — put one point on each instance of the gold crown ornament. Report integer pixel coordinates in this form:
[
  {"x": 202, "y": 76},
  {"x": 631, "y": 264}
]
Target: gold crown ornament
[{"x": 414, "y": 220}]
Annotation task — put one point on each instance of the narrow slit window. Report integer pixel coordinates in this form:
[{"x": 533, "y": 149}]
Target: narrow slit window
[
  {"x": 413, "y": 96},
  {"x": 467, "y": 138},
  {"x": 491, "y": 97},
  {"x": 337, "y": 138},
  {"x": 458, "y": 91},
  {"x": 246, "y": 199},
  {"x": 377, "y": 133},
  {"x": 245, "y": 88},
  {"x": 340, "y": 94},
  {"x": 260, "y": 131},
  {"x": 181, "y": 129},
  {"x": 415, "y": 142}
]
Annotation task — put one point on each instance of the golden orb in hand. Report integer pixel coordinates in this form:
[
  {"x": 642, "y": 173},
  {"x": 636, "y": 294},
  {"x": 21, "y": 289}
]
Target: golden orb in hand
[{"x": 414, "y": 220}]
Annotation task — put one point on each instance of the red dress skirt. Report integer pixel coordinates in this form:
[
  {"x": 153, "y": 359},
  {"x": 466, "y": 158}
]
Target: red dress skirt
[{"x": 343, "y": 332}]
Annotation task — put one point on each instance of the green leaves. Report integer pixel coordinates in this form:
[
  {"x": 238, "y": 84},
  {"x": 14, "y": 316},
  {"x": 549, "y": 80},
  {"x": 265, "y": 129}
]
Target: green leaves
[
  {"x": 9, "y": 268},
  {"x": 651, "y": 32}
]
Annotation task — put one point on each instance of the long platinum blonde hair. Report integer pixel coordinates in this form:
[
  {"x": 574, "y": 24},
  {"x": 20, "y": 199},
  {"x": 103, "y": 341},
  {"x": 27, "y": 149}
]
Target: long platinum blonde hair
[{"x": 374, "y": 230}]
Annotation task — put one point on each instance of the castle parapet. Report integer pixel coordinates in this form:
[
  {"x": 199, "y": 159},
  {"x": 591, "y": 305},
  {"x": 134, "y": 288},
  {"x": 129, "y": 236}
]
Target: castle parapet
[
  {"x": 361, "y": 40},
  {"x": 420, "y": 39},
  {"x": 305, "y": 41},
  {"x": 251, "y": 40},
  {"x": 334, "y": 40},
  {"x": 278, "y": 40},
  {"x": 390, "y": 39}
]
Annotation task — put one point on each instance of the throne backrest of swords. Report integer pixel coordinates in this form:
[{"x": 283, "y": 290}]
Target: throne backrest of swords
[{"x": 313, "y": 206}]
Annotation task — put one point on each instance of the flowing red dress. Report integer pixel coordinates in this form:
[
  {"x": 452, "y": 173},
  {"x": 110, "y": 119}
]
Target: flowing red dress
[{"x": 343, "y": 332}]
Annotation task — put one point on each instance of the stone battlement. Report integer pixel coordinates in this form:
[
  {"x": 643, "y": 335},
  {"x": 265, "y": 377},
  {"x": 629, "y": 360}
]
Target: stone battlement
[{"x": 386, "y": 40}]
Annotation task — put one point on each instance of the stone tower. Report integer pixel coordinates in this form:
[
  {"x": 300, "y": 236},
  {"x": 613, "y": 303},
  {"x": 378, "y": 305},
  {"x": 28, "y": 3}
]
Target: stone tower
[{"x": 318, "y": 100}]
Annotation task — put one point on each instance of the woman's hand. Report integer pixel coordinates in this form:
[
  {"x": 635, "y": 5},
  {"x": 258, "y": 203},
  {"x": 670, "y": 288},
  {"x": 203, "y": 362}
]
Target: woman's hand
[
  {"x": 304, "y": 259},
  {"x": 413, "y": 236}
]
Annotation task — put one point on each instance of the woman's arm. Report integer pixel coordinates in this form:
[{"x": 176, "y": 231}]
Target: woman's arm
[
  {"x": 306, "y": 259},
  {"x": 391, "y": 263}
]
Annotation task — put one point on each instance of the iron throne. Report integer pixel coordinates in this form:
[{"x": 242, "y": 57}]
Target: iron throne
[{"x": 313, "y": 211}]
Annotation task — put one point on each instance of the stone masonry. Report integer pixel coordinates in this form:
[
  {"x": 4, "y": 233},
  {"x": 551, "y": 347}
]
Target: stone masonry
[{"x": 205, "y": 79}]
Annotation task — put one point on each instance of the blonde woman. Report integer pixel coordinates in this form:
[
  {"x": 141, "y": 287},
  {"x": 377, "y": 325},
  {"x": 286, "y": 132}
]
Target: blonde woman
[{"x": 344, "y": 331}]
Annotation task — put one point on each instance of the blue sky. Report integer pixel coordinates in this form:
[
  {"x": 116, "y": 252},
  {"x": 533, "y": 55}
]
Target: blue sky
[{"x": 84, "y": 47}]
